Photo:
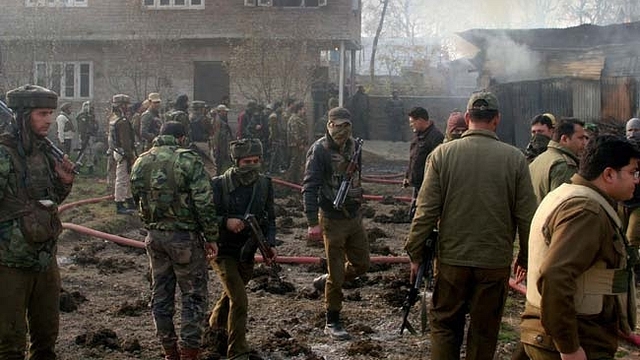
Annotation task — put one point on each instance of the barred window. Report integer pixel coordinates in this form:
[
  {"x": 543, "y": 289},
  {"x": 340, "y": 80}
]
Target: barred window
[
  {"x": 57, "y": 3},
  {"x": 286, "y": 3},
  {"x": 173, "y": 4},
  {"x": 71, "y": 80}
]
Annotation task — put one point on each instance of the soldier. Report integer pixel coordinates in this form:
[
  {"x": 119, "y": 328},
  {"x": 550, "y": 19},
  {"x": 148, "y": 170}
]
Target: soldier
[
  {"x": 456, "y": 126},
  {"x": 359, "y": 108},
  {"x": 150, "y": 121},
  {"x": 180, "y": 113},
  {"x": 277, "y": 139},
  {"x": 122, "y": 147},
  {"x": 175, "y": 200},
  {"x": 631, "y": 207},
  {"x": 478, "y": 191},
  {"x": 394, "y": 108},
  {"x": 88, "y": 130},
  {"x": 32, "y": 185},
  {"x": 542, "y": 127},
  {"x": 241, "y": 190},
  {"x": 426, "y": 138},
  {"x": 557, "y": 165},
  {"x": 297, "y": 142},
  {"x": 344, "y": 236},
  {"x": 138, "y": 109},
  {"x": 580, "y": 292},
  {"x": 201, "y": 131},
  {"x": 245, "y": 120},
  {"x": 66, "y": 130},
  {"x": 222, "y": 137}
]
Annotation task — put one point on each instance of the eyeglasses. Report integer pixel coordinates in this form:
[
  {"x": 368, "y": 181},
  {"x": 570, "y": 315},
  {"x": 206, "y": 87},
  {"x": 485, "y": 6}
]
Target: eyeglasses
[{"x": 636, "y": 174}]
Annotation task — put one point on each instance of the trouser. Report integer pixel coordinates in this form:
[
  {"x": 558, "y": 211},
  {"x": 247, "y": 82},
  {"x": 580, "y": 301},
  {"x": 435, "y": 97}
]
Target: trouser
[
  {"x": 205, "y": 153},
  {"x": 296, "y": 165},
  {"x": 230, "y": 312},
  {"x": 29, "y": 303},
  {"x": 66, "y": 146},
  {"x": 459, "y": 290},
  {"x": 122, "y": 187},
  {"x": 178, "y": 257},
  {"x": 344, "y": 240},
  {"x": 633, "y": 226}
]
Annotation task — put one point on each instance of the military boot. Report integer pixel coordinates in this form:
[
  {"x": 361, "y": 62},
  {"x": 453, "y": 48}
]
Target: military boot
[
  {"x": 334, "y": 327},
  {"x": 121, "y": 209},
  {"x": 320, "y": 282},
  {"x": 171, "y": 352},
  {"x": 189, "y": 354}
]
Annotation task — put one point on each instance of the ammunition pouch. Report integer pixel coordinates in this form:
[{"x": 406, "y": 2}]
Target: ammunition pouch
[{"x": 41, "y": 223}]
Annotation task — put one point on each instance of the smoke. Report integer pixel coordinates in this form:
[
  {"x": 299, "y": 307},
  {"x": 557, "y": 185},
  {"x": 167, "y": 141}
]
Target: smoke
[{"x": 508, "y": 61}]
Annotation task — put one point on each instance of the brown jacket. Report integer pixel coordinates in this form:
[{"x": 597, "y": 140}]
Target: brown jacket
[
  {"x": 581, "y": 233},
  {"x": 481, "y": 191}
]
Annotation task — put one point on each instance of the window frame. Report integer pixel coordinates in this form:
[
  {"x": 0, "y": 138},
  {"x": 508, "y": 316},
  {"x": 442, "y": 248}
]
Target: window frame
[
  {"x": 56, "y": 76},
  {"x": 269, "y": 3},
  {"x": 172, "y": 6}
]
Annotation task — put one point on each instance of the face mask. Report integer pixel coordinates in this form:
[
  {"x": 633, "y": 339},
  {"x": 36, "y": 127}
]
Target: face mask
[
  {"x": 247, "y": 174},
  {"x": 340, "y": 134}
]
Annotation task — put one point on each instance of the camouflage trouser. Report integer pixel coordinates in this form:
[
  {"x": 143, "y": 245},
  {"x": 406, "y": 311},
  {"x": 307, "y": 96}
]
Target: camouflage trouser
[
  {"x": 296, "y": 166},
  {"x": 344, "y": 239},
  {"x": 122, "y": 189},
  {"x": 178, "y": 257},
  {"x": 230, "y": 311},
  {"x": 29, "y": 301}
]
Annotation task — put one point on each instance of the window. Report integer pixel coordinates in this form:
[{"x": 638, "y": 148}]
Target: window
[
  {"x": 286, "y": 3},
  {"x": 71, "y": 80},
  {"x": 57, "y": 3},
  {"x": 173, "y": 4}
]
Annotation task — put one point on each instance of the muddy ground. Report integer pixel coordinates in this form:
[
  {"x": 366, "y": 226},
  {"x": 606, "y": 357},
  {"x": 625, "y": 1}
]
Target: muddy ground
[{"x": 106, "y": 289}]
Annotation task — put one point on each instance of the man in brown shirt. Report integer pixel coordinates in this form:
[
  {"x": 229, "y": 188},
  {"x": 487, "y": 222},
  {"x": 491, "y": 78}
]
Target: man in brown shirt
[
  {"x": 580, "y": 290},
  {"x": 479, "y": 189}
]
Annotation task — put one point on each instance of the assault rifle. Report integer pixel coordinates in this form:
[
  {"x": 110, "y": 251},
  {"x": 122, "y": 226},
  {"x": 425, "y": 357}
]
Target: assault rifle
[
  {"x": 345, "y": 185},
  {"x": 55, "y": 151},
  {"x": 425, "y": 269},
  {"x": 258, "y": 237}
]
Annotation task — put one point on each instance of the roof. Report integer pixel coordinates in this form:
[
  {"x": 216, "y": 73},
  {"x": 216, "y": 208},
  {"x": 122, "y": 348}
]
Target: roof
[{"x": 578, "y": 37}]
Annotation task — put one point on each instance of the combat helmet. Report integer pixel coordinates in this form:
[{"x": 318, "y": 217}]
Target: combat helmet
[
  {"x": 239, "y": 149},
  {"x": 33, "y": 97}
]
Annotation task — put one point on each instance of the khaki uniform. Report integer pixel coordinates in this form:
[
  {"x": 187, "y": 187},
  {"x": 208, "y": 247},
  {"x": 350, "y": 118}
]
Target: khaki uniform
[
  {"x": 552, "y": 168},
  {"x": 479, "y": 189},
  {"x": 566, "y": 218},
  {"x": 122, "y": 143}
]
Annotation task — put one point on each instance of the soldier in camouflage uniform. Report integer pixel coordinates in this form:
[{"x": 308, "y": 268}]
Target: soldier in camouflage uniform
[
  {"x": 277, "y": 139},
  {"x": 241, "y": 190},
  {"x": 175, "y": 202},
  {"x": 222, "y": 137},
  {"x": 32, "y": 184},
  {"x": 88, "y": 130},
  {"x": 345, "y": 240},
  {"x": 180, "y": 114},
  {"x": 297, "y": 141},
  {"x": 150, "y": 121},
  {"x": 201, "y": 130},
  {"x": 122, "y": 147}
]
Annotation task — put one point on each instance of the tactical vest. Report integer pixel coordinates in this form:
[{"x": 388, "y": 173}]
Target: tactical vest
[
  {"x": 32, "y": 204},
  {"x": 597, "y": 281},
  {"x": 160, "y": 205}
]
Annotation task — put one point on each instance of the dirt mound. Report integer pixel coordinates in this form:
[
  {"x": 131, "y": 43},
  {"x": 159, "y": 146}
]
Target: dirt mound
[
  {"x": 103, "y": 338},
  {"x": 69, "y": 301}
]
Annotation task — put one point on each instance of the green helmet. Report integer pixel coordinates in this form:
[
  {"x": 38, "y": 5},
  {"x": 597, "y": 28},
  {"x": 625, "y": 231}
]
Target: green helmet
[{"x": 33, "y": 97}]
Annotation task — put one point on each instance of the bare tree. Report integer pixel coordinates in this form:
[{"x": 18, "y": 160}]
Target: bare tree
[{"x": 372, "y": 60}]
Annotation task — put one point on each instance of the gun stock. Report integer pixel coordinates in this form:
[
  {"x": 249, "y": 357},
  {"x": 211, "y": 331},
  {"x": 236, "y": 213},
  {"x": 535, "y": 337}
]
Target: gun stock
[
  {"x": 258, "y": 237},
  {"x": 345, "y": 185}
]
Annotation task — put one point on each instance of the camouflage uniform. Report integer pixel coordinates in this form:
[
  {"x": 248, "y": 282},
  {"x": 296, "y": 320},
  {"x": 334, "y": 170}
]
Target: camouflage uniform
[
  {"x": 150, "y": 124},
  {"x": 122, "y": 145},
  {"x": 200, "y": 132},
  {"x": 29, "y": 274},
  {"x": 88, "y": 129},
  {"x": 235, "y": 260},
  {"x": 297, "y": 141},
  {"x": 174, "y": 198}
]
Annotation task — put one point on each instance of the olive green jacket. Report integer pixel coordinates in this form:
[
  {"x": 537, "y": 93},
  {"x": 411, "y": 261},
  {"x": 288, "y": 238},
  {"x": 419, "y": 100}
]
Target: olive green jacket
[
  {"x": 479, "y": 189},
  {"x": 552, "y": 168}
]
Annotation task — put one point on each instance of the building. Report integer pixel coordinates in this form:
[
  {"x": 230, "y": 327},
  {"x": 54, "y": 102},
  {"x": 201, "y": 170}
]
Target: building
[{"x": 92, "y": 49}]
